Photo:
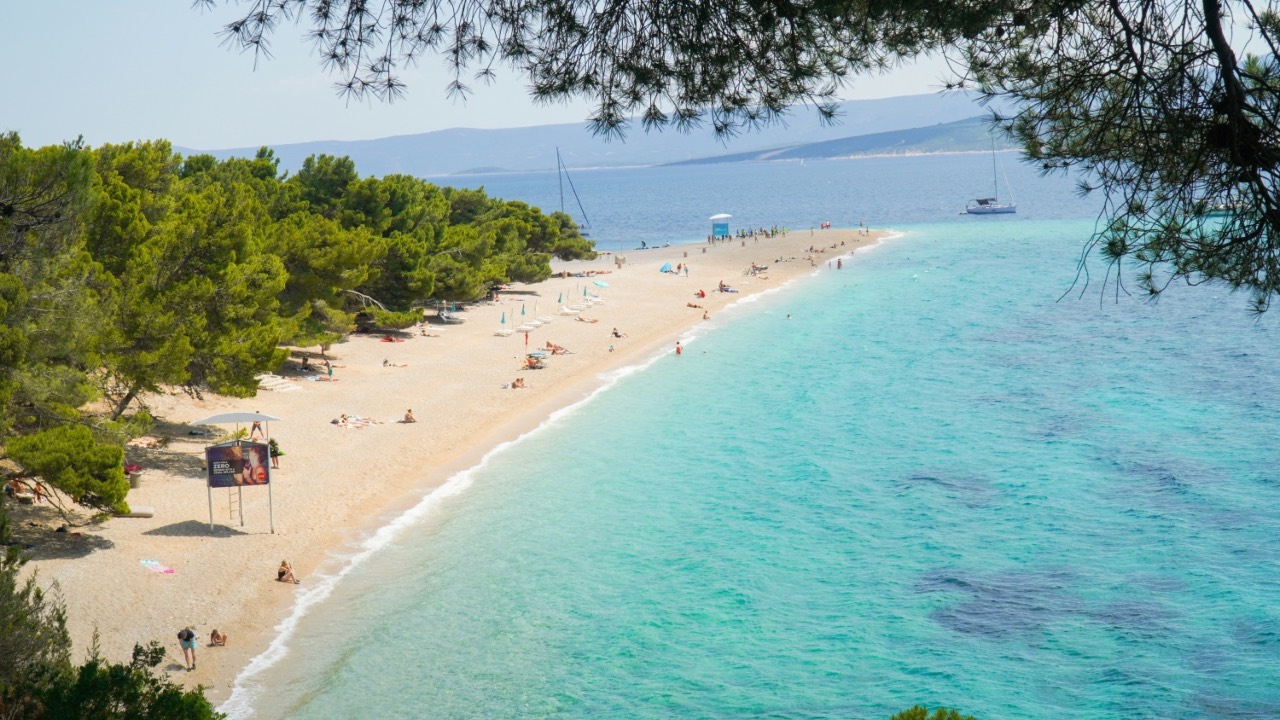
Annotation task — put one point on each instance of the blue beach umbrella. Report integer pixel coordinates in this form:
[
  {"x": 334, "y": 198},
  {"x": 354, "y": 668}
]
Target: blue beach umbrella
[
  {"x": 521, "y": 309},
  {"x": 560, "y": 300},
  {"x": 504, "y": 317}
]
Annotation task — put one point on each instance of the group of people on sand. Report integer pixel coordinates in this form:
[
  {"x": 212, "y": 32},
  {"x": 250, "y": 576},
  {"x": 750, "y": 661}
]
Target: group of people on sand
[
  {"x": 517, "y": 384},
  {"x": 352, "y": 421},
  {"x": 187, "y": 641},
  {"x": 187, "y": 635},
  {"x": 16, "y": 487}
]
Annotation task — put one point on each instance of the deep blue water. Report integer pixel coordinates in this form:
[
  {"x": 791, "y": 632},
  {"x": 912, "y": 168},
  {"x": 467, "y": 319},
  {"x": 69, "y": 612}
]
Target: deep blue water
[{"x": 924, "y": 478}]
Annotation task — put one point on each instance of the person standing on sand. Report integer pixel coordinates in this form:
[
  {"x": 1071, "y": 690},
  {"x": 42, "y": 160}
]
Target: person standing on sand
[{"x": 187, "y": 639}]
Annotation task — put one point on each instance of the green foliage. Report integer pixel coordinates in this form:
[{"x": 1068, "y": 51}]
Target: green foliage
[
  {"x": 127, "y": 269},
  {"x": 33, "y": 635},
  {"x": 100, "y": 690},
  {"x": 920, "y": 712},
  {"x": 71, "y": 460}
]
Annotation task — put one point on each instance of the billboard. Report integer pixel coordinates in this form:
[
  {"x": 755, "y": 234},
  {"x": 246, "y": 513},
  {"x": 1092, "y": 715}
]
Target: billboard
[
  {"x": 720, "y": 229},
  {"x": 238, "y": 463}
]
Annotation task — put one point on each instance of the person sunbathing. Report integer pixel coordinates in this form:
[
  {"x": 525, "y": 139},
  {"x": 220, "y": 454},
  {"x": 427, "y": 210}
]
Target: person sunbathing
[
  {"x": 556, "y": 349},
  {"x": 285, "y": 573},
  {"x": 217, "y": 639},
  {"x": 518, "y": 383},
  {"x": 587, "y": 320},
  {"x": 408, "y": 417},
  {"x": 693, "y": 305},
  {"x": 617, "y": 334}
]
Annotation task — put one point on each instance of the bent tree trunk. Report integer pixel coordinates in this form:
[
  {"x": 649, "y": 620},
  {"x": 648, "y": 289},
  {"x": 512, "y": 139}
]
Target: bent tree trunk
[{"x": 124, "y": 402}]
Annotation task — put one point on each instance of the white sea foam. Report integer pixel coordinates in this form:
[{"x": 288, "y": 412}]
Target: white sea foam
[{"x": 247, "y": 687}]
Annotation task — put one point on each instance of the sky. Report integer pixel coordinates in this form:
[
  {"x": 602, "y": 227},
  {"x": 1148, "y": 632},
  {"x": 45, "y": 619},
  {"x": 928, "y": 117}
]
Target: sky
[{"x": 123, "y": 70}]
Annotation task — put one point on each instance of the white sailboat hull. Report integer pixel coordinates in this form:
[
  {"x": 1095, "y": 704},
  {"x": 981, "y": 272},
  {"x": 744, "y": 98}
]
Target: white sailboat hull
[{"x": 991, "y": 209}]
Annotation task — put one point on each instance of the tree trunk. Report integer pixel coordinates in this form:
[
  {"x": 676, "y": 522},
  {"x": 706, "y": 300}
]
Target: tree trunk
[{"x": 124, "y": 402}]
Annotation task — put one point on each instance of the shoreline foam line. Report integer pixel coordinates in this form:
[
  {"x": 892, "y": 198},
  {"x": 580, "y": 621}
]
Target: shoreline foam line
[{"x": 238, "y": 706}]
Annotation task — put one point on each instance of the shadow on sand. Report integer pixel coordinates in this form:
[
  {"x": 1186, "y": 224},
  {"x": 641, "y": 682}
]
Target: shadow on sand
[{"x": 195, "y": 528}]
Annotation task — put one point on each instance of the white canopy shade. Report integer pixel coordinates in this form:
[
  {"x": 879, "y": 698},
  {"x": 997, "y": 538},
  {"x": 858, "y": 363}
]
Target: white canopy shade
[
  {"x": 721, "y": 216},
  {"x": 235, "y": 417}
]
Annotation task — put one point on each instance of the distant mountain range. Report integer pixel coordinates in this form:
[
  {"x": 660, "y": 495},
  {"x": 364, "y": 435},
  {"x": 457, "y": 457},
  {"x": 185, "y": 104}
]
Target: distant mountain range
[
  {"x": 864, "y": 127},
  {"x": 968, "y": 135}
]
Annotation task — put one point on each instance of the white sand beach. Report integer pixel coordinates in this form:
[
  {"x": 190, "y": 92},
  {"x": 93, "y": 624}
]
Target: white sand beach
[{"x": 337, "y": 483}]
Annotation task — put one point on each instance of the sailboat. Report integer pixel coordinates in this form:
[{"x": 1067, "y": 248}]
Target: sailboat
[
  {"x": 584, "y": 227},
  {"x": 992, "y": 205}
]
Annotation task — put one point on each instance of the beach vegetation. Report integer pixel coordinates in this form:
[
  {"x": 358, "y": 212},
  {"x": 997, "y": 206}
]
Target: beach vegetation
[
  {"x": 68, "y": 457},
  {"x": 128, "y": 269},
  {"x": 1165, "y": 107},
  {"x": 39, "y": 681}
]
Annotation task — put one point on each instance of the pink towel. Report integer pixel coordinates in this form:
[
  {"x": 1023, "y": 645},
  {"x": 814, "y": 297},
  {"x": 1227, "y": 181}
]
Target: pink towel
[{"x": 154, "y": 566}]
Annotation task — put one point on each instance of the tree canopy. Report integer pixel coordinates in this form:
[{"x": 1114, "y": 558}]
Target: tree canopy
[
  {"x": 1169, "y": 107},
  {"x": 125, "y": 269}
]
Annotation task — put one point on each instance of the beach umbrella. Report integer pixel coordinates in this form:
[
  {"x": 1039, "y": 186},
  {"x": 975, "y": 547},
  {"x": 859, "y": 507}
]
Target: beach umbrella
[
  {"x": 584, "y": 292},
  {"x": 666, "y": 267},
  {"x": 521, "y": 309},
  {"x": 720, "y": 216},
  {"x": 504, "y": 317},
  {"x": 602, "y": 283},
  {"x": 560, "y": 300}
]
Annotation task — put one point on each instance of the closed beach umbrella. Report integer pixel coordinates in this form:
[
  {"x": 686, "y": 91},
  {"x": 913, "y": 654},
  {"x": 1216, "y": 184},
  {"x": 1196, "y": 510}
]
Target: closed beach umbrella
[
  {"x": 560, "y": 300},
  {"x": 521, "y": 309},
  {"x": 504, "y": 317}
]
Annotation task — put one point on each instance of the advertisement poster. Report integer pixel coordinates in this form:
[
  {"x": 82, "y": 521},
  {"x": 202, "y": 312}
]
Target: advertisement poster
[{"x": 238, "y": 463}]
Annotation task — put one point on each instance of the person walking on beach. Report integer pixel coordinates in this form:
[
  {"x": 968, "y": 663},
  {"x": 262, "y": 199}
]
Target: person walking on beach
[
  {"x": 679, "y": 350},
  {"x": 187, "y": 639}
]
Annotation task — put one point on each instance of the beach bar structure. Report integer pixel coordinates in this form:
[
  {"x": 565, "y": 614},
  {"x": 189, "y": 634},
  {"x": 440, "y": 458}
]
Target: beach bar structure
[
  {"x": 720, "y": 225},
  {"x": 239, "y": 463}
]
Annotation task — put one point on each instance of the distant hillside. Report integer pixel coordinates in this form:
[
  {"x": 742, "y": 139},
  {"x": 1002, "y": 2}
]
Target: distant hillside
[
  {"x": 970, "y": 134},
  {"x": 461, "y": 150}
]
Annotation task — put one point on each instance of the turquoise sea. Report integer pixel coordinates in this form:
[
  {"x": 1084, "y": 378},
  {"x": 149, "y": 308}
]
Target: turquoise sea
[{"x": 942, "y": 475}]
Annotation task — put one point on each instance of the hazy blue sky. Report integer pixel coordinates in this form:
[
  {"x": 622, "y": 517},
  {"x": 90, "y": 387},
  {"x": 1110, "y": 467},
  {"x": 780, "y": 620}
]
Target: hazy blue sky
[{"x": 122, "y": 70}]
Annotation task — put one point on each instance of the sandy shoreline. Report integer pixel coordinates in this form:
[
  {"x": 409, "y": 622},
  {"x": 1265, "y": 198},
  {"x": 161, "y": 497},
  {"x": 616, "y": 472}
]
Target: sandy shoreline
[{"x": 335, "y": 486}]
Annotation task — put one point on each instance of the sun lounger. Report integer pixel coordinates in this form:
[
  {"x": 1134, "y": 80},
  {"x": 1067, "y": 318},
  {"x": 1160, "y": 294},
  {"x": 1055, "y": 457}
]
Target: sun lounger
[
  {"x": 503, "y": 332},
  {"x": 139, "y": 511}
]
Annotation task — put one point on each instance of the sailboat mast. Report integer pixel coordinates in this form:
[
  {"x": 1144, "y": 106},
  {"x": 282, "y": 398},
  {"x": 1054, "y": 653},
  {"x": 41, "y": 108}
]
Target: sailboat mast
[
  {"x": 995, "y": 175},
  {"x": 560, "y": 177}
]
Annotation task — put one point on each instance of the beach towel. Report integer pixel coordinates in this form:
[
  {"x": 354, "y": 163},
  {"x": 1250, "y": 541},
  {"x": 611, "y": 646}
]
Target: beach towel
[{"x": 155, "y": 566}]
